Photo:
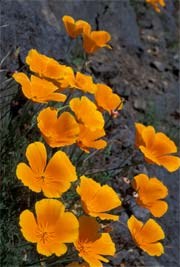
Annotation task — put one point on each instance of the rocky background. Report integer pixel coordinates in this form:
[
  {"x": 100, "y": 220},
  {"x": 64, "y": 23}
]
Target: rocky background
[{"x": 143, "y": 67}]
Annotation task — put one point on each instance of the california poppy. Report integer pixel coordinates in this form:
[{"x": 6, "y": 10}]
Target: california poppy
[
  {"x": 94, "y": 40},
  {"x": 90, "y": 139},
  {"x": 75, "y": 28},
  {"x": 156, "y": 147},
  {"x": 44, "y": 66},
  {"x": 150, "y": 192},
  {"x": 51, "y": 228},
  {"x": 57, "y": 131},
  {"x": 53, "y": 178},
  {"x": 37, "y": 89},
  {"x": 97, "y": 200},
  {"x": 147, "y": 235},
  {"x": 156, "y": 4},
  {"x": 85, "y": 83},
  {"x": 106, "y": 99},
  {"x": 92, "y": 245},
  {"x": 67, "y": 79},
  {"x": 87, "y": 113}
]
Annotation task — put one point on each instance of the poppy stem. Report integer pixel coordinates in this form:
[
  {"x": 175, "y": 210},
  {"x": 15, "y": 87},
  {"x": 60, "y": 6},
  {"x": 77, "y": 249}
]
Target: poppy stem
[
  {"x": 67, "y": 99},
  {"x": 73, "y": 151},
  {"x": 79, "y": 157},
  {"x": 85, "y": 56}
]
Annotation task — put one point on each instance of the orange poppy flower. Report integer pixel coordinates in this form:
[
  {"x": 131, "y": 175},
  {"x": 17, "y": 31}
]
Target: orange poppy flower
[
  {"x": 87, "y": 113},
  {"x": 85, "y": 83},
  {"x": 51, "y": 228},
  {"x": 138, "y": 137},
  {"x": 94, "y": 40},
  {"x": 97, "y": 200},
  {"x": 79, "y": 81},
  {"x": 75, "y": 28},
  {"x": 53, "y": 178},
  {"x": 156, "y": 147},
  {"x": 92, "y": 245},
  {"x": 90, "y": 139},
  {"x": 151, "y": 191},
  {"x": 37, "y": 89},
  {"x": 156, "y": 4},
  {"x": 67, "y": 79},
  {"x": 106, "y": 99},
  {"x": 57, "y": 132},
  {"x": 44, "y": 66},
  {"x": 147, "y": 235}
]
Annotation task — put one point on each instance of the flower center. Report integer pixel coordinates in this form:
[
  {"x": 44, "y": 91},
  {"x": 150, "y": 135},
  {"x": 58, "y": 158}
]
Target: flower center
[{"x": 45, "y": 236}]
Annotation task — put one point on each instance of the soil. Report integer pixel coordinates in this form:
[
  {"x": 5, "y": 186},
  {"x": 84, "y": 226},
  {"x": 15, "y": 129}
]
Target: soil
[{"x": 142, "y": 67}]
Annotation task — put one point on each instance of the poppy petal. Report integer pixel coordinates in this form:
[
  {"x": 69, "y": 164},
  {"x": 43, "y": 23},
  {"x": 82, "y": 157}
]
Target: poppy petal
[
  {"x": 48, "y": 248},
  {"x": 88, "y": 188},
  {"x": 37, "y": 156},
  {"x": 157, "y": 188},
  {"x": 28, "y": 177},
  {"x": 105, "y": 199},
  {"x": 68, "y": 230},
  {"x": 59, "y": 131},
  {"x": 164, "y": 145},
  {"x": 149, "y": 155},
  {"x": 87, "y": 113},
  {"x": 151, "y": 232},
  {"x": 171, "y": 163},
  {"x": 134, "y": 226},
  {"x": 106, "y": 99},
  {"x": 156, "y": 249},
  {"x": 104, "y": 245},
  {"x": 89, "y": 44},
  {"x": 90, "y": 139},
  {"x": 56, "y": 97},
  {"x": 43, "y": 65},
  {"x": 58, "y": 175},
  {"x": 91, "y": 244},
  {"x": 43, "y": 91},
  {"x": 29, "y": 226},
  {"x": 85, "y": 83},
  {"x": 47, "y": 119},
  {"x": 148, "y": 136},
  {"x": 149, "y": 189},
  {"x": 138, "y": 139},
  {"x": 93, "y": 227},
  {"x": 140, "y": 181},
  {"x": 96, "y": 198},
  {"x": 24, "y": 81},
  {"x": 158, "y": 208},
  {"x": 53, "y": 208},
  {"x": 53, "y": 227},
  {"x": 75, "y": 28},
  {"x": 69, "y": 24},
  {"x": 101, "y": 38}
]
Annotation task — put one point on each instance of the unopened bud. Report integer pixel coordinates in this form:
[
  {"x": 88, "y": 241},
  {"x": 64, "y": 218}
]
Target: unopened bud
[
  {"x": 114, "y": 113},
  {"x": 135, "y": 195},
  {"x": 126, "y": 180}
]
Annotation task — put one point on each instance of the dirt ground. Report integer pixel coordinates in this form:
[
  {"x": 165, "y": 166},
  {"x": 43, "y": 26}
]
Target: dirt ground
[{"x": 142, "y": 67}]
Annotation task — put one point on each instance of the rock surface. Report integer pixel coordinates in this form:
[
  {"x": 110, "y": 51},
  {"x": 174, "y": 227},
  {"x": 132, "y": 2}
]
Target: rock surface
[{"x": 142, "y": 67}]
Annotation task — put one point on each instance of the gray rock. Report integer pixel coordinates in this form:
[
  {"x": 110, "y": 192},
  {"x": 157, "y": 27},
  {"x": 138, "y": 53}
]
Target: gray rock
[
  {"x": 30, "y": 24},
  {"x": 103, "y": 15},
  {"x": 157, "y": 65}
]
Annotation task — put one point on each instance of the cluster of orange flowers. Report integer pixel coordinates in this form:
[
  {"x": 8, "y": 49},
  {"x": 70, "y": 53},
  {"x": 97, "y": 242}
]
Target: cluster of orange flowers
[
  {"x": 92, "y": 40},
  {"x": 156, "y": 4},
  {"x": 52, "y": 227}
]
